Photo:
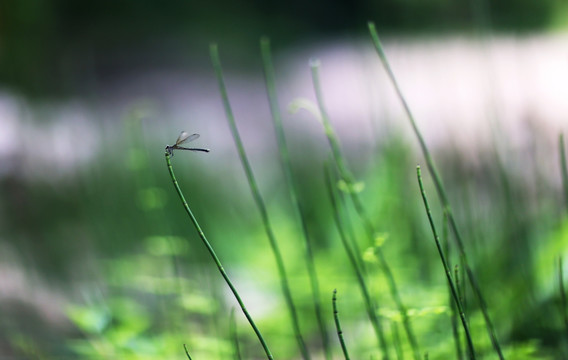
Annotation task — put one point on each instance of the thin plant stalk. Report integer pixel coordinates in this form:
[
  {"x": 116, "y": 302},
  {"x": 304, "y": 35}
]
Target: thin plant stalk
[
  {"x": 233, "y": 335},
  {"x": 460, "y": 287},
  {"x": 396, "y": 341},
  {"x": 259, "y": 203},
  {"x": 351, "y": 233},
  {"x": 340, "y": 162},
  {"x": 446, "y": 266},
  {"x": 564, "y": 168},
  {"x": 451, "y": 302},
  {"x": 461, "y": 294},
  {"x": 215, "y": 258},
  {"x": 563, "y": 300},
  {"x": 369, "y": 306},
  {"x": 461, "y": 291},
  {"x": 186, "y": 352},
  {"x": 292, "y": 188},
  {"x": 347, "y": 176},
  {"x": 338, "y": 325},
  {"x": 441, "y": 193}
]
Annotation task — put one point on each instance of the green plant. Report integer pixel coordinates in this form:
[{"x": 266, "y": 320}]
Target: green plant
[
  {"x": 214, "y": 256},
  {"x": 259, "y": 203},
  {"x": 440, "y": 190},
  {"x": 162, "y": 295}
]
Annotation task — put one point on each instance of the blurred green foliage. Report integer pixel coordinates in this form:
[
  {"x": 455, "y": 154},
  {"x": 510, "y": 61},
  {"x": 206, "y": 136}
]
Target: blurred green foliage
[
  {"x": 151, "y": 287},
  {"x": 115, "y": 240}
]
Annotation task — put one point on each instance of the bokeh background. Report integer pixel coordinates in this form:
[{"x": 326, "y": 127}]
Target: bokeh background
[{"x": 99, "y": 261}]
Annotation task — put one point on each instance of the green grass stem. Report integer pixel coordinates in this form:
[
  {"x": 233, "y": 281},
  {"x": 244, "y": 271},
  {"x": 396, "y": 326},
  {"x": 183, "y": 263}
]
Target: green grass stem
[
  {"x": 563, "y": 300},
  {"x": 459, "y": 278},
  {"x": 215, "y": 258},
  {"x": 234, "y": 336},
  {"x": 186, "y": 352},
  {"x": 451, "y": 302},
  {"x": 338, "y": 325},
  {"x": 446, "y": 266},
  {"x": 259, "y": 203},
  {"x": 269, "y": 75},
  {"x": 347, "y": 176},
  {"x": 460, "y": 285},
  {"x": 371, "y": 308},
  {"x": 564, "y": 168},
  {"x": 441, "y": 192},
  {"x": 338, "y": 157},
  {"x": 351, "y": 233},
  {"x": 396, "y": 341}
]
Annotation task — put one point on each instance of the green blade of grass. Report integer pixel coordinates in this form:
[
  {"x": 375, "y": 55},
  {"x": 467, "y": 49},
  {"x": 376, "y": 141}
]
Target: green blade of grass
[
  {"x": 347, "y": 176},
  {"x": 396, "y": 341},
  {"x": 446, "y": 266},
  {"x": 233, "y": 335},
  {"x": 338, "y": 157},
  {"x": 564, "y": 168},
  {"x": 369, "y": 306},
  {"x": 292, "y": 188},
  {"x": 215, "y": 258},
  {"x": 451, "y": 302},
  {"x": 563, "y": 300},
  {"x": 441, "y": 192},
  {"x": 338, "y": 325},
  {"x": 259, "y": 202},
  {"x": 460, "y": 287},
  {"x": 186, "y": 351},
  {"x": 351, "y": 232}
]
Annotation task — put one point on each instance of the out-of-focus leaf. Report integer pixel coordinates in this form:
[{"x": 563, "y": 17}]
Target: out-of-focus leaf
[{"x": 92, "y": 319}]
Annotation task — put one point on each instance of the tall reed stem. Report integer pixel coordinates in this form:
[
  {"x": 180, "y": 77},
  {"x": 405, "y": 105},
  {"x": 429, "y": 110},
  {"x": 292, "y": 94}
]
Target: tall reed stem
[
  {"x": 348, "y": 177},
  {"x": 234, "y": 336},
  {"x": 440, "y": 190},
  {"x": 338, "y": 325},
  {"x": 259, "y": 202},
  {"x": 447, "y": 269},
  {"x": 186, "y": 352},
  {"x": 215, "y": 258},
  {"x": 292, "y": 188},
  {"x": 451, "y": 302},
  {"x": 369, "y": 306},
  {"x": 396, "y": 341},
  {"x": 563, "y": 300},
  {"x": 564, "y": 168}
]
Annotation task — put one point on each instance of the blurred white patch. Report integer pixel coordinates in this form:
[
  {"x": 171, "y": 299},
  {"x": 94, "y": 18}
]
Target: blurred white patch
[
  {"x": 48, "y": 142},
  {"x": 462, "y": 91},
  {"x": 465, "y": 93}
]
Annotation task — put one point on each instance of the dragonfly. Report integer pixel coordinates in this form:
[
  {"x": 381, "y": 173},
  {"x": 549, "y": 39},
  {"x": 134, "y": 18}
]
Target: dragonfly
[{"x": 183, "y": 138}]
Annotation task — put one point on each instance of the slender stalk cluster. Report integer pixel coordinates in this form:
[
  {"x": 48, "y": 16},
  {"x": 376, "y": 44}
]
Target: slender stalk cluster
[
  {"x": 441, "y": 193},
  {"x": 259, "y": 203}
]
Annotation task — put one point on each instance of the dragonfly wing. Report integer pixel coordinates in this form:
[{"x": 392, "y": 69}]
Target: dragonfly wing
[
  {"x": 182, "y": 137},
  {"x": 185, "y": 137}
]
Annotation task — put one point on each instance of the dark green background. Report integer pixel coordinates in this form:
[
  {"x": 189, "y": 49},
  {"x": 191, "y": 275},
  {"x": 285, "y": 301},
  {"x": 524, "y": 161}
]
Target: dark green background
[{"x": 55, "y": 47}]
